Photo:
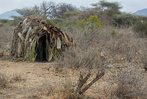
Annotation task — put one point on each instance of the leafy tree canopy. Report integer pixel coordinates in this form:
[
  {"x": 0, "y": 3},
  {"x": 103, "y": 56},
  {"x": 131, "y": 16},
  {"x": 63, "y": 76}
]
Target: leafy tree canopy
[{"x": 110, "y": 7}]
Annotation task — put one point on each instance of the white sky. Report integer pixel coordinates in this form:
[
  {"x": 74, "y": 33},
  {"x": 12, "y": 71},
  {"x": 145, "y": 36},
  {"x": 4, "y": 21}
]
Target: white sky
[{"x": 130, "y": 6}]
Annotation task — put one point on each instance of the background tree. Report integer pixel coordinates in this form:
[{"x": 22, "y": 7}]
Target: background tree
[
  {"x": 62, "y": 8},
  {"x": 47, "y": 8},
  {"x": 29, "y": 11},
  {"x": 110, "y": 8},
  {"x": 106, "y": 11}
]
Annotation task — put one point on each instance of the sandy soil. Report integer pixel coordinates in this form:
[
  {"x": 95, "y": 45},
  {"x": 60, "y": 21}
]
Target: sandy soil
[
  {"x": 35, "y": 79},
  {"x": 32, "y": 76}
]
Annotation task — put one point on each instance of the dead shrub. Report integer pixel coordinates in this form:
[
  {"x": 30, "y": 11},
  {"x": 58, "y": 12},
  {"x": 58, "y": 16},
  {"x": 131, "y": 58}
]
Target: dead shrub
[
  {"x": 6, "y": 34},
  {"x": 5, "y": 39},
  {"x": 60, "y": 90},
  {"x": 130, "y": 82},
  {"x": 121, "y": 47},
  {"x": 143, "y": 53},
  {"x": 67, "y": 92},
  {"x": 65, "y": 89},
  {"x": 1, "y": 52},
  {"x": 33, "y": 97},
  {"x": 17, "y": 78},
  {"x": 86, "y": 53},
  {"x": 145, "y": 65},
  {"x": 144, "y": 58},
  {"x": 84, "y": 58},
  {"x": 3, "y": 81},
  {"x": 48, "y": 89},
  {"x": 75, "y": 58}
]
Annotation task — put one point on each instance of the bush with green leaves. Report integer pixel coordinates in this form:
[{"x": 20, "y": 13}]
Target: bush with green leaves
[
  {"x": 69, "y": 14},
  {"x": 140, "y": 27},
  {"x": 49, "y": 21},
  {"x": 125, "y": 19},
  {"x": 113, "y": 33},
  {"x": 92, "y": 23},
  {"x": 62, "y": 23},
  {"x": 56, "y": 21},
  {"x": 4, "y": 20}
]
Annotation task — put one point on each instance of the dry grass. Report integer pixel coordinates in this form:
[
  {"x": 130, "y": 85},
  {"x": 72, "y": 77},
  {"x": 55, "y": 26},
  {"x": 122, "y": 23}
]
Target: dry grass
[
  {"x": 3, "y": 81},
  {"x": 64, "y": 89},
  {"x": 5, "y": 40},
  {"x": 17, "y": 78},
  {"x": 95, "y": 50},
  {"x": 130, "y": 83},
  {"x": 6, "y": 33},
  {"x": 123, "y": 46},
  {"x": 120, "y": 49}
]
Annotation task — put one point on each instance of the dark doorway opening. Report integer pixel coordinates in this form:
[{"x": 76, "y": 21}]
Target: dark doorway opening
[{"x": 41, "y": 50}]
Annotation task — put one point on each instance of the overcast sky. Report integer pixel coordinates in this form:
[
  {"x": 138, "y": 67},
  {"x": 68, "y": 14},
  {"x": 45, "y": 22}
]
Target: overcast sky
[{"x": 130, "y": 6}]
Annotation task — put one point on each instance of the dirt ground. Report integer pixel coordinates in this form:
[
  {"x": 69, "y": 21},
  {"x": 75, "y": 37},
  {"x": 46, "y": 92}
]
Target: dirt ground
[
  {"x": 31, "y": 80},
  {"x": 36, "y": 80},
  {"x": 31, "y": 76}
]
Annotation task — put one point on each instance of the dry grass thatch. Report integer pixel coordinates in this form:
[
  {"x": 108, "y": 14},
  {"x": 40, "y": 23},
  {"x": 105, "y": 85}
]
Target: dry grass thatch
[{"x": 35, "y": 39}]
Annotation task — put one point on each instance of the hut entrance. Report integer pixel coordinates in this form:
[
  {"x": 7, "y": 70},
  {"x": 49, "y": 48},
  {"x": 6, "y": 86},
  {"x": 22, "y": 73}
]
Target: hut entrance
[{"x": 41, "y": 50}]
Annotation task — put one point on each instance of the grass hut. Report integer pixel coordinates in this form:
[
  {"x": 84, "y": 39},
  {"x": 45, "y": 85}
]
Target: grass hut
[{"x": 36, "y": 40}]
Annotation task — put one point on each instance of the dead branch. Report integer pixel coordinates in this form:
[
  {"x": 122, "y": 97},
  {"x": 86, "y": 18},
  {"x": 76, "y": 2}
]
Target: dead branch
[
  {"x": 82, "y": 81},
  {"x": 99, "y": 75}
]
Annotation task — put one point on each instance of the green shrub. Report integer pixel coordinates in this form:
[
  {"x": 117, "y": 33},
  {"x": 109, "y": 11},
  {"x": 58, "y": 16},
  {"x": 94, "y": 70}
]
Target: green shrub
[
  {"x": 125, "y": 19},
  {"x": 69, "y": 13},
  {"x": 92, "y": 23},
  {"x": 15, "y": 22},
  {"x": 140, "y": 27},
  {"x": 113, "y": 33},
  {"x": 4, "y": 20},
  {"x": 80, "y": 23},
  {"x": 49, "y": 21},
  {"x": 56, "y": 21},
  {"x": 62, "y": 23},
  {"x": 1, "y": 24}
]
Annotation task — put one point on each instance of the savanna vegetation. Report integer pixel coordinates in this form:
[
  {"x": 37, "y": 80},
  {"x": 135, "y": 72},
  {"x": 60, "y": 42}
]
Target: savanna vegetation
[{"x": 109, "y": 60}]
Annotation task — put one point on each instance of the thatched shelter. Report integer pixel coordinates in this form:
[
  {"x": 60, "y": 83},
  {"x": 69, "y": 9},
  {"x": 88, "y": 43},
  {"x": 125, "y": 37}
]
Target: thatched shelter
[{"x": 36, "y": 40}]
